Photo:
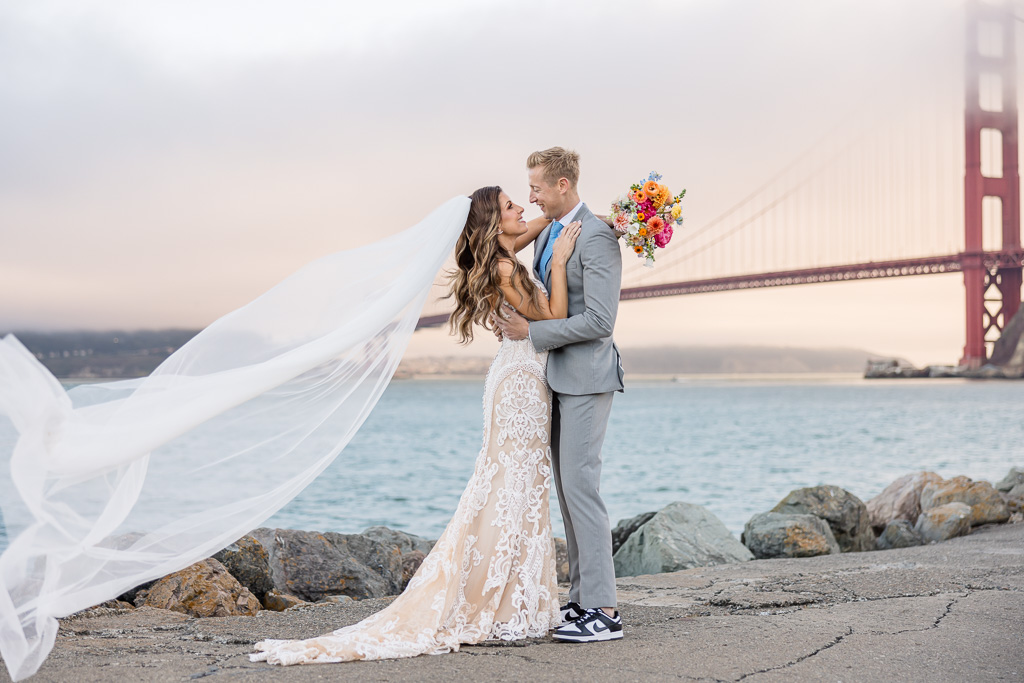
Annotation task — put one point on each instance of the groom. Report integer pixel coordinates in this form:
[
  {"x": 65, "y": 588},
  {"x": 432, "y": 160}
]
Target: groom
[{"x": 584, "y": 372}]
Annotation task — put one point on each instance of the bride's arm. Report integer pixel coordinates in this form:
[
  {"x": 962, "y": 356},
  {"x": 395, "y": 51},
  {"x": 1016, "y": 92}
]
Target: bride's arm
[
  {"x": 544, "y": 309},
  {"x": 533, "y": 228}
]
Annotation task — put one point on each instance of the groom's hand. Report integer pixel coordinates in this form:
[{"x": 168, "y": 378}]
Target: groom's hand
[{"x": 512, "y": 325}]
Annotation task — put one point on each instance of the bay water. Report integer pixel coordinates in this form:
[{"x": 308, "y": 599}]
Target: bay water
[{"x": 734, "y": 445}]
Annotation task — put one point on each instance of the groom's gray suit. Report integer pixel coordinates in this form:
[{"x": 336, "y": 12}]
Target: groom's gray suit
[{"x": 584, "y": 371}]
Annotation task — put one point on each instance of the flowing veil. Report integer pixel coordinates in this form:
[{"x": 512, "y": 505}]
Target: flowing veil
[{"x": 110, "y": 485}]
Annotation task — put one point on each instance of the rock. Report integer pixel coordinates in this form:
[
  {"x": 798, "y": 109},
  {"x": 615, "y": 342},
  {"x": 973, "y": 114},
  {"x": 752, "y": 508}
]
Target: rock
[
  {"x": 944, "y": 522},
  {"x": 900, "y": 500},
  {"x": 336, "y": 600},
  {"x": 625, "y": 528},
  {"x": 845, "y": 513},
  {"x": 562, "y": 560},
  {"x": 249, "y": 562},
  {"x": 405, "y": 543},
  {"x": 312, "y": 565},
  {"x": 204, "y": 589},
  {"x": 775, "y": 534},
  {"x": 985, "y": 502},
  {"x": 679, "y": 536},
  {"x": 898, "y": 533},
  {"x": 413, "y": 548},
  {"x": 117, "y": 604},
  {"x": 411, "y": 561},
  {"x": 279, "y": 602},
  {"x": 1014, "y": 499},
  {"x": 1015, "y": 477}
]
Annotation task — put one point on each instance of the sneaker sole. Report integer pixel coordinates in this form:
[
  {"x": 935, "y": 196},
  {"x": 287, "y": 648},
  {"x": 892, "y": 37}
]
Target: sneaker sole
[{"x": 604, "y": 635}]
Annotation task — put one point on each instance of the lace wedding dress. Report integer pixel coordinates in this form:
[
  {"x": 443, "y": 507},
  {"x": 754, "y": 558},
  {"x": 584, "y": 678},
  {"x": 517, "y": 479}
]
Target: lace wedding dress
[{"x": 491, "y": 575}]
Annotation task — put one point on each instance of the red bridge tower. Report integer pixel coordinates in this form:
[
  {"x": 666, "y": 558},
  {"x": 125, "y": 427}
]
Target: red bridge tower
[{"x": 992, "y": 272}]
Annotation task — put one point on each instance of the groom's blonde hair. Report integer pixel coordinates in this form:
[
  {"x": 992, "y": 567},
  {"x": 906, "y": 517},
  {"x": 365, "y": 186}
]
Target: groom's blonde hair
[{"x": 557, "y": 162}]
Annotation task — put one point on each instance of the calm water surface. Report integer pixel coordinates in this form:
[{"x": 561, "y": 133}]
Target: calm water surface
[{"x": 736, "y": 447}]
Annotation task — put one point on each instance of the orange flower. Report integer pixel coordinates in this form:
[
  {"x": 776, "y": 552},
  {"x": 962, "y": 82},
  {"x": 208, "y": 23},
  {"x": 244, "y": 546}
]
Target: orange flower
[
  {"x": 638, "y": 249},
  {"x": 654, "y": 226},
  {"x": 639, "y": 197},
  {"x": 640, "y": 215},
  {"x": 651, "y": 188},
  {"x": 643, "y": 232},
  {"x": 664, "y": 194}
]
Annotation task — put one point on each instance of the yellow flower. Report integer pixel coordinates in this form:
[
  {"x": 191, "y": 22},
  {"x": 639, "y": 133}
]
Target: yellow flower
[
  {"x": 640, "y": 215},
  {"x": 643, "y": 232},
  {"x": 676, "y": 211}
]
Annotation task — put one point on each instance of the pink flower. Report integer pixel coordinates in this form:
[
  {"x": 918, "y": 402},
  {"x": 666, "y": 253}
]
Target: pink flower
[
  {"x": 663, "y": 237},
  {"x": 621, "y": 222}
]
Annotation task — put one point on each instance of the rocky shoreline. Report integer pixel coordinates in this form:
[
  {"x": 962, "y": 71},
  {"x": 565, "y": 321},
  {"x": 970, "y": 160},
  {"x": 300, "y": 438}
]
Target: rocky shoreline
[
  {"x": 281, "y": 569},
  {"x": 683, "y": 579}
]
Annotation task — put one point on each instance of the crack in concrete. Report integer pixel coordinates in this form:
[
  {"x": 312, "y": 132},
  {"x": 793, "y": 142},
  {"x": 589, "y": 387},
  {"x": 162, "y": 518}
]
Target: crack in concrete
[
  {"x": 832, "y": 643},
  {"x": 945, "y": 613}
]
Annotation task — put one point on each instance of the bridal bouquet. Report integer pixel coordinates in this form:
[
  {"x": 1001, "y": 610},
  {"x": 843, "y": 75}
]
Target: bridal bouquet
[{"x": 644, "y": 216}]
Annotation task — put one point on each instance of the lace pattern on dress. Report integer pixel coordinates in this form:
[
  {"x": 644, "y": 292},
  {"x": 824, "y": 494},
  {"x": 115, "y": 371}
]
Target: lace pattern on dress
[{"x": 491, "y": 574}]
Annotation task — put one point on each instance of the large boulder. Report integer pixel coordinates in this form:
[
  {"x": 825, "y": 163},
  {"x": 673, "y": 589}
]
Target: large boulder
[
  {"x": 844, "y": 512},
  {"x": 1015, "y": 477},
  {"x": 679, "y": 536},
  {"x": 414, "y": 548},
  {"x": 204, "y": 589},
  {"x": 900, "y": 500},
  {"x": 405, "y": 542},
  {"x": 898, "y": 533},
  {"x": 312, "y": 565},
  {"x": 249, "y": 562},
  {"x": 944, "y": 522},
  {"x": 626, "y": 527},
  {"x": 774, "y": 534},
  {"x": 985, "y": 502},
  {"x": 1014, "y": 499}
]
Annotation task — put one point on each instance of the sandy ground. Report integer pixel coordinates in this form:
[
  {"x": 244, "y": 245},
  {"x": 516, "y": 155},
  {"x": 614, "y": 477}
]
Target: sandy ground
[{"x": 947, "y": 612}]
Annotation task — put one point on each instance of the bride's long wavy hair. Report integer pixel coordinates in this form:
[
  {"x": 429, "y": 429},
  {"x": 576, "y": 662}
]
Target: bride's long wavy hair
[{"x": 475, "y": 284}]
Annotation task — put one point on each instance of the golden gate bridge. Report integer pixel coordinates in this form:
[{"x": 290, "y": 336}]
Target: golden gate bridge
[{"x": 884, "y": 200}]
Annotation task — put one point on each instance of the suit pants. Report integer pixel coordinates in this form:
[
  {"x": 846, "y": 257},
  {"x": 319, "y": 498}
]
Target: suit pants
[{"x": 578, "y": 429}]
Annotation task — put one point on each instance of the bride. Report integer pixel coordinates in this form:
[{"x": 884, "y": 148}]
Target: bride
[{"x": 491, "y": 574}]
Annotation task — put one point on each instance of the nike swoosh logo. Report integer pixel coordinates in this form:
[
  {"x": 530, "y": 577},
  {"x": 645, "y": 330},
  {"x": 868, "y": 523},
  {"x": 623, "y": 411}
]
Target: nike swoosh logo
[{"x": 599, "y": 627}]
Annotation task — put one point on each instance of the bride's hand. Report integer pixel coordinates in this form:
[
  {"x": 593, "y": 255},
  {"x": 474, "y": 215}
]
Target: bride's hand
[{"x": 566, "y": 242}]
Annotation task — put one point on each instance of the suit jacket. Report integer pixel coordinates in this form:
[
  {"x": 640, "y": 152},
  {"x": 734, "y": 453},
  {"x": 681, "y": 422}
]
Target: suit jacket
[{"x": 583, "y": 358}]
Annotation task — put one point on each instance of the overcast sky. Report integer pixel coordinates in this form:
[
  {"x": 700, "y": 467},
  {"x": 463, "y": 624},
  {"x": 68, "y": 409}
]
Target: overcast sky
[{"x": 162, "y": 163}]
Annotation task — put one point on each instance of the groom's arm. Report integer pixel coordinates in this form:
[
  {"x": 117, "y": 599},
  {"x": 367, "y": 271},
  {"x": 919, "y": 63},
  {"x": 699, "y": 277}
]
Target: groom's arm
[{"x": 602, "y": 279}]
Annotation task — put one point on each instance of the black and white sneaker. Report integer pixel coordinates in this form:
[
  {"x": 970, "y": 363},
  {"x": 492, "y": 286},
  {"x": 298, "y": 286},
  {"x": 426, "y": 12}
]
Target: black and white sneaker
[
  {"x": 593, "y": 626},
  {"x": 570, "y": 613}
]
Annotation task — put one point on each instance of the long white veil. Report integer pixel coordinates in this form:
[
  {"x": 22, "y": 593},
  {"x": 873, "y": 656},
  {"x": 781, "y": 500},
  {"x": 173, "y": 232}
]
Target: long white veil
[{"x": 107, "y": 486}]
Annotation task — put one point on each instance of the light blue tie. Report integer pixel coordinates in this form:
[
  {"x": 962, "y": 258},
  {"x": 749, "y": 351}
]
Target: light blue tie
[{"x": 549, "y": 248}]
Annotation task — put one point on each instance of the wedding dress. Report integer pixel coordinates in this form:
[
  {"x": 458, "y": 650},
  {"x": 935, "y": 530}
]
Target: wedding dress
[{"x": 491, "y": 574}]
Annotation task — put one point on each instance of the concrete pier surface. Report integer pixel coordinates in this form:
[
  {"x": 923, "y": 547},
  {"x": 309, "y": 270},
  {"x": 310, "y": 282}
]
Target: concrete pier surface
[{"x": 947, "y": 612}]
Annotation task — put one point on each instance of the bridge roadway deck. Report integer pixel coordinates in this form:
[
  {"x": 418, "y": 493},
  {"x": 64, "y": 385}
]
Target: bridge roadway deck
[{"x": 929, "y": 265}]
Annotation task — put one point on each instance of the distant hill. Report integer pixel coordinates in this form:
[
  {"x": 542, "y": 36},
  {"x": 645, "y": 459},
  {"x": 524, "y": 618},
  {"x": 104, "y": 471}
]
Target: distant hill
[
  {"x": 697, "y": 360},
  {"x": 113, "y": 354},
  {"x": 119, "y": 354}
]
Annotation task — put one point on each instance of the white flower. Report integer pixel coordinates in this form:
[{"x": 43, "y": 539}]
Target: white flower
[{"x": 634, "y": 228}]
